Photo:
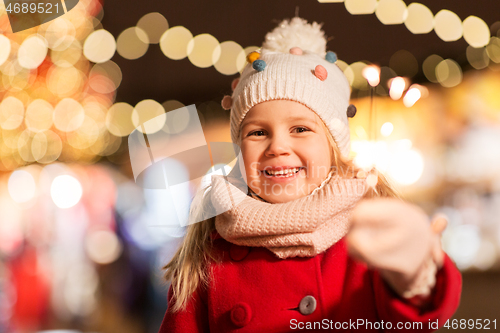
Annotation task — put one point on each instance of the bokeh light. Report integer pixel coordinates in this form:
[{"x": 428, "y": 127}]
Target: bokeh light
[
  {"x": 105, "y": 77},
  {"x": 4, "y": 49},
  {"x": 476, "y": 31},
  {"x": 21, "y": 186},
  {"x": 148, "y": 116},
  {"x": 32, "y": 52},
  {"x": 386, "y": 129},
  {"x": 100, "y": 46},
  {"x": 68, "y": 115},
  {"x": 411, "y": 97},
  {"x": 119, "y": 119},
  {"x": 60, "y": 33},
  {"x": 85, "y": 135},
  {"x": 406, "y": 166},
  {"x": 132, "y": 43},
  {"x": 66, "y": 191},
  {"x": 360, "y": 7},
  {"x": 103, "y": 246},
  {"x": 449, "y": 73},
  {"x": 154, "y": 24},
  {"x": 204, "y": 50},
  {"x": 429, "y": 67},
  {"x": 172, "y": 105},
  {"x": 404, "y": 63},
  {"x": 232, "y": 58},
  {"x": 174, "y": 42},
  {"x": 477, "y": 57},
  {"x": 46, "y": 146},
  {"x": 354, "y": 74},
  {"x": 68, "y": 56},
  {"x": 25, "y": 144},
  {"x": 11, "y": 113},
  {"x": 420, "y": 19},
  {"x": 391, "y": 11},
  {"x": 39, "y": 115},
  {"x": 448, "y": 25},
  {"x": 176, "y": 122},
  {"x": 64, "y": 81},
  {"x": 397, "y": 87},
  {"x": 493, "y": 49},
  {"x": 372, "y": 74}
]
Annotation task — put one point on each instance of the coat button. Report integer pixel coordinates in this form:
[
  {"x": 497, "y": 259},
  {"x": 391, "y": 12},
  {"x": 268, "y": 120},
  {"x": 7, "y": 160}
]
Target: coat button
[
  {"x": 241, "y": 314},
  {"x": 307, "y": 305},
  {"x": 238, "y": 253}
]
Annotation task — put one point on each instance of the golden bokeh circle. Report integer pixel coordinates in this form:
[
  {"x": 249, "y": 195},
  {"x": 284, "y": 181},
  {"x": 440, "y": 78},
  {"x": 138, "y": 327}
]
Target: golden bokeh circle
[
  {"x": 106, "y": 77},
  {"x": 100, "y": 46},
  {"x": 476, "y": 31},
  {"x": 493, "y": 49},
  {"x": 32, "y": 52},
  {"x": 39, "y": 115},
  {"x": 360, "y": 7},
  {"x": 119, "y": 119},
  {"x": 154, "y": 24},
  {"x": 132, "y": 43},
  {"x": 11, "y": 113},
  {"x": 391, "y": 11},
  {"x": 174, "y": 42},
  {"x": 449, "y": 73},
  {"x": 68, "y": 115},
  {"x": 448, "y": 25},
  {"x": 420, "y": 19},
  {"x": 232, "y": 58},
  {"x": 4, "y": 49},
  {"x": 204, "y": 50},
  {"x": 67, "y": 57},
  {"x": 64, "y": 81},
  {"x": 46, "y": 147},
  {"x": 148, "y": 116}
]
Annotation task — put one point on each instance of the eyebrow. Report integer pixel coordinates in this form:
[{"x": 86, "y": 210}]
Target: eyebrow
[{"x": 293, "y": 119}]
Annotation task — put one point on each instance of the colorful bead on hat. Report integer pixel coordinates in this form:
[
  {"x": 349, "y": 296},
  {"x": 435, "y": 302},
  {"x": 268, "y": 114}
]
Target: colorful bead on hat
[
  {"x": 331, "y": 56},
  {"x": 227, "y": 102},
  {"x": 259, "y": 65},
  {"x": 320, "y": 72},
  {"x": 252, "y": 56},
  {"x": 296, "y": 50}
]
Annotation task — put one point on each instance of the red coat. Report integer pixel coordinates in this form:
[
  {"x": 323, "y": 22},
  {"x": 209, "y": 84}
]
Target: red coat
[{"x": 252, "y": 290}]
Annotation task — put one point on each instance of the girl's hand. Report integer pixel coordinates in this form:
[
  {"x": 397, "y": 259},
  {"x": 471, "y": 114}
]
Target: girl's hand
[{"x": 398, "y": 239}]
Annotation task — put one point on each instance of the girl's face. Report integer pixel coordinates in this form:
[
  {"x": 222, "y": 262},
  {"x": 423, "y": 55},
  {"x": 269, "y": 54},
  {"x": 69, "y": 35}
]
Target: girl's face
[{"x": 285, "y": 150}]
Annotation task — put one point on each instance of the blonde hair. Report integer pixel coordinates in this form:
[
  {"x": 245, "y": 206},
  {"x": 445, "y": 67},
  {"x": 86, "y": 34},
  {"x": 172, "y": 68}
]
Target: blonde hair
[{"x": 188, "y": 269}]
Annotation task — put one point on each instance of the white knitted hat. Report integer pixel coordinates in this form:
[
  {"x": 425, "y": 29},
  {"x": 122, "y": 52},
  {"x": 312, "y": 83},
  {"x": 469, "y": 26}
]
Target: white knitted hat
[{"x": 293, "y": 64}]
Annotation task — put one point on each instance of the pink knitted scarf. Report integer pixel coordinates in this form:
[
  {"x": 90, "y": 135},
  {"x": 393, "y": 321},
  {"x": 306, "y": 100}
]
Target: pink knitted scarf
[{"x": 303, "y": 227}]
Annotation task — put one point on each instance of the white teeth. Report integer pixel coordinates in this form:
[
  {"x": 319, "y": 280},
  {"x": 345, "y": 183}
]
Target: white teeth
[{"x": 287, "y": 172}]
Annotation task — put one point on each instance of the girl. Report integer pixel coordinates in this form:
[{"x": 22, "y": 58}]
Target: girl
[{"x": 276, "y": 259}]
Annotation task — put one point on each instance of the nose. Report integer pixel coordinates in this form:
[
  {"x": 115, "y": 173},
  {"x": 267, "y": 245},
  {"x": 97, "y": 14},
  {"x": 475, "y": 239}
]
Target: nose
[{"x": 278, "y": 145}]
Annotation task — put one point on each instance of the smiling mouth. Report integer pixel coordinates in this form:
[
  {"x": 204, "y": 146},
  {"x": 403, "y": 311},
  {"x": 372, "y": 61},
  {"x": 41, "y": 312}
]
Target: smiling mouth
[{"x": 282, "y": 173}]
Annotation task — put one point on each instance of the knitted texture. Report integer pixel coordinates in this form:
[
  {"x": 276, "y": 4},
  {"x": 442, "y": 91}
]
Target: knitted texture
[
  {"x": 292, "y": 77},
  {"x": 303, "y": 227}
]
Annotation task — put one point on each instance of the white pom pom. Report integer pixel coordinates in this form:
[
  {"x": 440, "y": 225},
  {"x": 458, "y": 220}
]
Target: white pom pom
[{"x": 296, "y": 33}]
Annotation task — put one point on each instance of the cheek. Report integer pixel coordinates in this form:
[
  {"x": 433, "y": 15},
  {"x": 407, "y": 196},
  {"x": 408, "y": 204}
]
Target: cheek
[
  {"x": 250, "y": 158},
  {"x": 318, "y": 154}
]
